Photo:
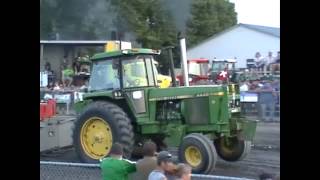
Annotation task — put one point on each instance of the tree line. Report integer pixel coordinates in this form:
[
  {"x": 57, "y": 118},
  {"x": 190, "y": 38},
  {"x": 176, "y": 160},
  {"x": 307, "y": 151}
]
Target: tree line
[{"x": 149, "y": 21}]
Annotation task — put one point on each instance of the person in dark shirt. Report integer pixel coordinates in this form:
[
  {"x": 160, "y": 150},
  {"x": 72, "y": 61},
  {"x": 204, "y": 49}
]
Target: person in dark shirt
[
  {"x": 76, "y": 66},
  {"x": 149, "y": 161}
]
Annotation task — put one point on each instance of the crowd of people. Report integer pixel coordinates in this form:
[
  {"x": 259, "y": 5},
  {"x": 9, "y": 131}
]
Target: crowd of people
[
  {"x": 73, "y": 76},
  {"x": 260, "y": 85},
  {"x": 153, "y": 166},
  {"x": 268, "y": 63},
  {"x": 271, "y": 90}
]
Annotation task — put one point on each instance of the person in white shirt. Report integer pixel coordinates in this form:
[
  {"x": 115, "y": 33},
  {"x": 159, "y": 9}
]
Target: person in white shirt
[
  {"x": 268, "y": 60},
  {"x": 259, "y": 61}
]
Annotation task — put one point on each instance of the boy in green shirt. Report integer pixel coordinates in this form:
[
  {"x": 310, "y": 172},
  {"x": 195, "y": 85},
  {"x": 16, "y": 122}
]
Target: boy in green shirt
[
  {"x": 114, "y": 167},
  {"x": 67, "y": 75}
]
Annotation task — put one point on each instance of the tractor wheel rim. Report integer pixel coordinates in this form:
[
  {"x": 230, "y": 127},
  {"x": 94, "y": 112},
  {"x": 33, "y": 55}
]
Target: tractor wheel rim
[
  {"x": 193, "y": 156},
  {"x": 96, "y": 137}
]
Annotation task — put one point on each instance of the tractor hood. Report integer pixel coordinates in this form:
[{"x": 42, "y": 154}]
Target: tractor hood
[{"x": 186, "y": 92}]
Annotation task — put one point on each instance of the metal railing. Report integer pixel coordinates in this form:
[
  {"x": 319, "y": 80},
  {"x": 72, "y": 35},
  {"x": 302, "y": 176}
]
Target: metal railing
[
  {"x": 65, "y": 100},
  {"x": 79, "y": 171}
]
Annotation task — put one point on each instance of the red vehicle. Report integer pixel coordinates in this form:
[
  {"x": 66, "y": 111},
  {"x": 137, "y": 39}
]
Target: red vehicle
[{"x": 198, "y": 70}]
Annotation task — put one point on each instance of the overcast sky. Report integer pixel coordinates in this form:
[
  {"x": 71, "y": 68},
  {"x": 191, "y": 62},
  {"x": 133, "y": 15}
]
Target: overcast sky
[{"x": 258, "y": 12}]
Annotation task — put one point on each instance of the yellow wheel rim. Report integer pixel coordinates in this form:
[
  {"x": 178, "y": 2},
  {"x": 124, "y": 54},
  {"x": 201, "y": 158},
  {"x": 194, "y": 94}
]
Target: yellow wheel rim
[
  {"x": 96, "y": 137},
  {"x": 193, "y": 156}
]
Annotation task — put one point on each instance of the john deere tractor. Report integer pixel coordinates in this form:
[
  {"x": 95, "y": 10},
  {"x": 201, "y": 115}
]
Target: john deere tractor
[{"x": 124, "y": 104}]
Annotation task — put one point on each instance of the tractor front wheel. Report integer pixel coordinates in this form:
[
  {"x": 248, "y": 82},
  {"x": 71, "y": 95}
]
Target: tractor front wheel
[
  {"x": 199, "y": 152},
  {"x": 232, "y": 149},
  {"x": 98, "y": 127}
]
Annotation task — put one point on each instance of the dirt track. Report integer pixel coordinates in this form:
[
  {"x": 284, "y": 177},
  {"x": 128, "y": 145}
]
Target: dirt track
[{"x": 264, "y": 157}]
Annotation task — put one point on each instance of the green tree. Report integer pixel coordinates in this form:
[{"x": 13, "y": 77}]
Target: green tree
[
  {"x": 209, "y": 17},
  {"x": 65, "y": 18},
  {"x": 150, "y": 22},
  {"x": 152, "y": 25}
]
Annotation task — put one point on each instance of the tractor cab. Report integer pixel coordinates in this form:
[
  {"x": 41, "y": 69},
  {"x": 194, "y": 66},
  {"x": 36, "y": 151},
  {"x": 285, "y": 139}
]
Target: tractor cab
[
  {"x": 219, "y": 66},
  {"x": 123, "y": 69},
  {"x": 198, "y": 72}
]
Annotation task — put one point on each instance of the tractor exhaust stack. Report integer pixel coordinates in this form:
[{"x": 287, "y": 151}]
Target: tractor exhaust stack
[{"x": 184, "y": 64}]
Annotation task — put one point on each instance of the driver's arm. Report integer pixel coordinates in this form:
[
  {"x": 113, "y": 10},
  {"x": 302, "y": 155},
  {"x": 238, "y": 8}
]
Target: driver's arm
[{"x": 127, "y": 80}]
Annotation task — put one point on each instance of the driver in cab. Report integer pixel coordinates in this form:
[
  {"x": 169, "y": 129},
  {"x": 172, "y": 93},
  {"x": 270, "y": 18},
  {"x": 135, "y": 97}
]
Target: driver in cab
[{"x": 134, "y": 75}]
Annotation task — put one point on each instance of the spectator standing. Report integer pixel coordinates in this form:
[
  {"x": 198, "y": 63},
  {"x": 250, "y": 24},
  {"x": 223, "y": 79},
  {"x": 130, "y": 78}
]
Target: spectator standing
[
  {"x": 276, "y": 90},
  {"x": 47, "y": 68},
  {"x": 149, "y": 162},
  {"x": 259, "y": 61},
  {"x": 85, "y": 64},
  {"x": 268, "y": 60},
  {"x": 67, "y": 75},
  {"x": 164, "y": 163},
  {"x": 276, "y": 64},
  {"x": 115, "y": 167},
  {"x": 63, "y": 65},
  {"x": 76, "y": 66},
  {"x": 49, "y": 71}
]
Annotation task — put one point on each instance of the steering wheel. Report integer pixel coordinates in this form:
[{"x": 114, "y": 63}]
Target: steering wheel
[
  {"x": 133, "y": 83},
  {"x": 136, "y": 82}
]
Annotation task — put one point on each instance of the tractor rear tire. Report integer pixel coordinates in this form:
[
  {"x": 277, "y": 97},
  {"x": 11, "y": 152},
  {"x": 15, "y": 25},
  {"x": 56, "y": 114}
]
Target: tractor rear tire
[
  {"x": 199, "y": 152},
  {"x": 99, "y": 126},
  {"x": 235, "y": 151}
]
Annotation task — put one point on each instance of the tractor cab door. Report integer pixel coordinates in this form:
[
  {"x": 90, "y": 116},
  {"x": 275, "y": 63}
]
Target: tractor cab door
[{"x": 137, "y": 76}]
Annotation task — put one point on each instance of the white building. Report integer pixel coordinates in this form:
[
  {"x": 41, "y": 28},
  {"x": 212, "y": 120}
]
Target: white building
[{"x": 241, "y": 42}]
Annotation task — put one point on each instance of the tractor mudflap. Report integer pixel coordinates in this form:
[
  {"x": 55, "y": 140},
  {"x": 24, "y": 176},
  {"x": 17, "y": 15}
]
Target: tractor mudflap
[
  {"x": 238, "y": 145},
  {"x": 247, "y": 127}
]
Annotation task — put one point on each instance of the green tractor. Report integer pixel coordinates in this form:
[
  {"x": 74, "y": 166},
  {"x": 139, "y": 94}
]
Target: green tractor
[{"x": 124, "y": 104}]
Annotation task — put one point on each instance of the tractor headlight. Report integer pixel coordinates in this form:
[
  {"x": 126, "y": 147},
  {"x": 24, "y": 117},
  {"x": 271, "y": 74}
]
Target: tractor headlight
[
  {"x": 117, "y": 94},
  {"x": 137, "y": 94}
]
